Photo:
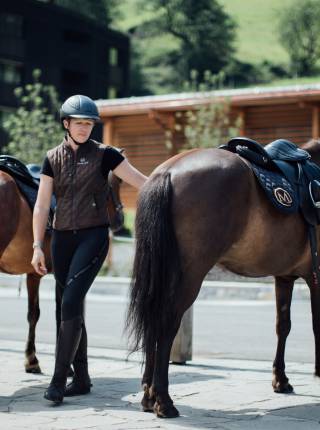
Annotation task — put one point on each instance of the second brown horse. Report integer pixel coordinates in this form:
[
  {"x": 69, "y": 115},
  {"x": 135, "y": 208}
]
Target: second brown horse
[{"x": 16, "y": 249}]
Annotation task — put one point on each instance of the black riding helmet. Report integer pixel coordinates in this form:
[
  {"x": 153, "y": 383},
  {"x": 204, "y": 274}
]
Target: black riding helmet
[{"x": 79, "y": 106}]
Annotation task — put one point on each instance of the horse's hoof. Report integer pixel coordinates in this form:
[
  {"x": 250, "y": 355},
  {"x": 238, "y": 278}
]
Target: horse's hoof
[
  {"x": 165, "y": 411},
  {"x": 147, "y": 404},
  {"x": 285, "y": 388},
  {"x": 34, "y": 368}
]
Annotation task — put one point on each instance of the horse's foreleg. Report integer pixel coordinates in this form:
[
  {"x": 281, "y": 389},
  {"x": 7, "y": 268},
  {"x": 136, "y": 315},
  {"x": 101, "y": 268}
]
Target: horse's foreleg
[
  {"x": 31, "y": 361},
  {"x": 148, "y": 399},
  {"x": 164, "y": 406},
  {"x": 283, "y": 290},
  {"x": 315, "y": 308}
]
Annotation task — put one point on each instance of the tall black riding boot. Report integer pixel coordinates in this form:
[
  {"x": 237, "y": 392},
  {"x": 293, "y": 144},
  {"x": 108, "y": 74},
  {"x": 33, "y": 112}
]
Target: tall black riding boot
[
  {"x": 81, "y": 383},
  {"x": 68, "y": 342}
]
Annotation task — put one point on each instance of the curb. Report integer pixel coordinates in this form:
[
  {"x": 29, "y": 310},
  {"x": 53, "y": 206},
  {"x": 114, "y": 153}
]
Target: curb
[{"x": 119, "y": 286}]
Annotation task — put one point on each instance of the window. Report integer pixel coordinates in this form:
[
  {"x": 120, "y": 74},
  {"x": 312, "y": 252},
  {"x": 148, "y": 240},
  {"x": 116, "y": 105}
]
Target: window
[
  {"x": 76, "y": 37},
  {"x": 74, "y": 82},
  {"x": 10, "y": 73},
  {"x": 112, "y": 92},
  {"x": 113, "y": 56},
  {"x": 11, "y": 25}
]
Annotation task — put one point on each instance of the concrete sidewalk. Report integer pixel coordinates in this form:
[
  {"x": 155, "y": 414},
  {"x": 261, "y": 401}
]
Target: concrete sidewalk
[{"x": 210, "y": 394}]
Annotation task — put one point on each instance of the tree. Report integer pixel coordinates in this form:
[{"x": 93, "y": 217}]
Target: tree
[
  {"x": 210, "y": 124},
  {"x": 205, "y": 32},
  {"x": 33, "y": 128},
  {"x": 299, "y": 35}
]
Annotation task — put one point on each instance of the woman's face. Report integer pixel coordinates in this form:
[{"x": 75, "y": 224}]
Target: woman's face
[{"x": 80, "y": 128}]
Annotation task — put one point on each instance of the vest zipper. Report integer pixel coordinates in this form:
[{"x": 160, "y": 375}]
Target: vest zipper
[{"x": 74, "y": 167}]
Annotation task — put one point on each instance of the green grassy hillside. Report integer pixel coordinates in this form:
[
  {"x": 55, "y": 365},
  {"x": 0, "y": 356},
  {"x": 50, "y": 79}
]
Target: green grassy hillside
[
  {"x": 257, "y": 29},
  {"x": 257, "y": 34}
]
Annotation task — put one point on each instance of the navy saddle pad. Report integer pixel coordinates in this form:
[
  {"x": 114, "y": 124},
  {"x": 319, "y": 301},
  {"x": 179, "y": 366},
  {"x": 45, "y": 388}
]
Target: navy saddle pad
[{"x": 278, "y": 189}]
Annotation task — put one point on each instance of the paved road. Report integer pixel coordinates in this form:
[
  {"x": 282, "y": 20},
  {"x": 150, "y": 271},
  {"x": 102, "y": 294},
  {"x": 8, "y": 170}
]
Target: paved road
[{"x": 228, "y": 329}]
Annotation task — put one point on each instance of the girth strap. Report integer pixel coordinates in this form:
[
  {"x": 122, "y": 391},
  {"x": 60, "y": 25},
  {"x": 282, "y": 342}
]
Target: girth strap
[{"x": 314, "y": 254}]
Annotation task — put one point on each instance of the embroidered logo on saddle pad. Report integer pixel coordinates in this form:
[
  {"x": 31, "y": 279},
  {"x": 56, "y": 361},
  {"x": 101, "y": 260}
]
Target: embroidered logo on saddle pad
[
  {"x": 278, "y": 190},
  {"x": 282, "y": 196}
]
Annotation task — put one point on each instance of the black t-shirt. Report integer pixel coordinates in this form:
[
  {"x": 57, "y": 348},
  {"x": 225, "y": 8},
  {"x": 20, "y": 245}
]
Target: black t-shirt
[{"x": 110, "y": 160}]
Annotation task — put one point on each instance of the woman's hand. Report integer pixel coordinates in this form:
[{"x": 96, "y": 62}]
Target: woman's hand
[{"x": 38, "y": 261}]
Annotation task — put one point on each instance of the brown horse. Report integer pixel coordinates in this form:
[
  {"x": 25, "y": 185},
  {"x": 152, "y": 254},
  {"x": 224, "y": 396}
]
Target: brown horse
[
  {"x": 16, "y": 249},
  {"x": 198, "y": 209}
]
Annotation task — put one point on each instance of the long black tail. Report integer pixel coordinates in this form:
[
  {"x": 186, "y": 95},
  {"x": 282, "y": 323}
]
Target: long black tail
[{"x": 157, "y": 269}]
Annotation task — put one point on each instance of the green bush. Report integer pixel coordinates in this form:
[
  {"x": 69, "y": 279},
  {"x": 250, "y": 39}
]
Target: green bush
[{"x": 33, "y": 128}]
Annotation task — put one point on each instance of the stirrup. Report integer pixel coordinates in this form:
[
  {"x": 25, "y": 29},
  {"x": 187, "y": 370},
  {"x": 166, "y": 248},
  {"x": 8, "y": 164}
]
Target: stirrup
[{"x": 314, "y": 191}]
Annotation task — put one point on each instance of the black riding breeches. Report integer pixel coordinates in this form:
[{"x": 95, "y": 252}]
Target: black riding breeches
[{"x": 77, "y": 256}]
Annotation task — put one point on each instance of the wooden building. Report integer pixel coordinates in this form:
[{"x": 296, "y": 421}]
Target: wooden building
[
  {"x": 76, "y": 54},
  {"x": 139, "y": 124}
]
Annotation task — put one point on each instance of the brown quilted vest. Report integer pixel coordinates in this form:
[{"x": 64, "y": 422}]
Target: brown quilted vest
[{"x": 79, "y": 186}]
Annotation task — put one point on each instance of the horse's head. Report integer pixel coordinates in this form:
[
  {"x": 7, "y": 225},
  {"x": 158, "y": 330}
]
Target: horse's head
[
  {"x": 114, "y": 205},
  {"x": 313, "y": 147}
]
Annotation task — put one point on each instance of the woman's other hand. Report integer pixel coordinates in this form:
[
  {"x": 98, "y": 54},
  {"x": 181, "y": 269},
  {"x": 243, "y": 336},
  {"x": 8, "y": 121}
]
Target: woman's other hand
[{"x": 38, "y": 261}]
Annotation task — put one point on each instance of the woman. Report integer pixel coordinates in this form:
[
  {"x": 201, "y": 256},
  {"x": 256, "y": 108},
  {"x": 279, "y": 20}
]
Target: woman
[{"x": 77, "y": 172}]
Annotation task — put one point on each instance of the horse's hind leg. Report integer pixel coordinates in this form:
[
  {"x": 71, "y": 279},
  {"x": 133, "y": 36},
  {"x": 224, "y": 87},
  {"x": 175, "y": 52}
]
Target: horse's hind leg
[
  {"x": 149, "y": 399},
  {"x": 283, "y": 290},
  {"x": 315, "y": 308},
  {"x": 164, "y": 406},
  {"x": 31, "y": 361}
]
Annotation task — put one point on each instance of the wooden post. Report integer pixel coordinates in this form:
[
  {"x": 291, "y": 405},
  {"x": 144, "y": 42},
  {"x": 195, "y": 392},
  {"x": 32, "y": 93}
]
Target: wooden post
[
  {"x": 167, "y": 122},
  {"x": 108, "y": 259},
  {"x": 182, "y": 346},
  {"x": 315, "y": 122},
  {"x": 108, "y": 132},
  {"x": 171, "y": 126},
  {"x": 242, "y": 115}
]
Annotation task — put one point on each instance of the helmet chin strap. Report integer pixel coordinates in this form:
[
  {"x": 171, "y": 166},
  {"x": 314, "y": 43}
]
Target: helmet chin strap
[{"x": 75, "y": 141}]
